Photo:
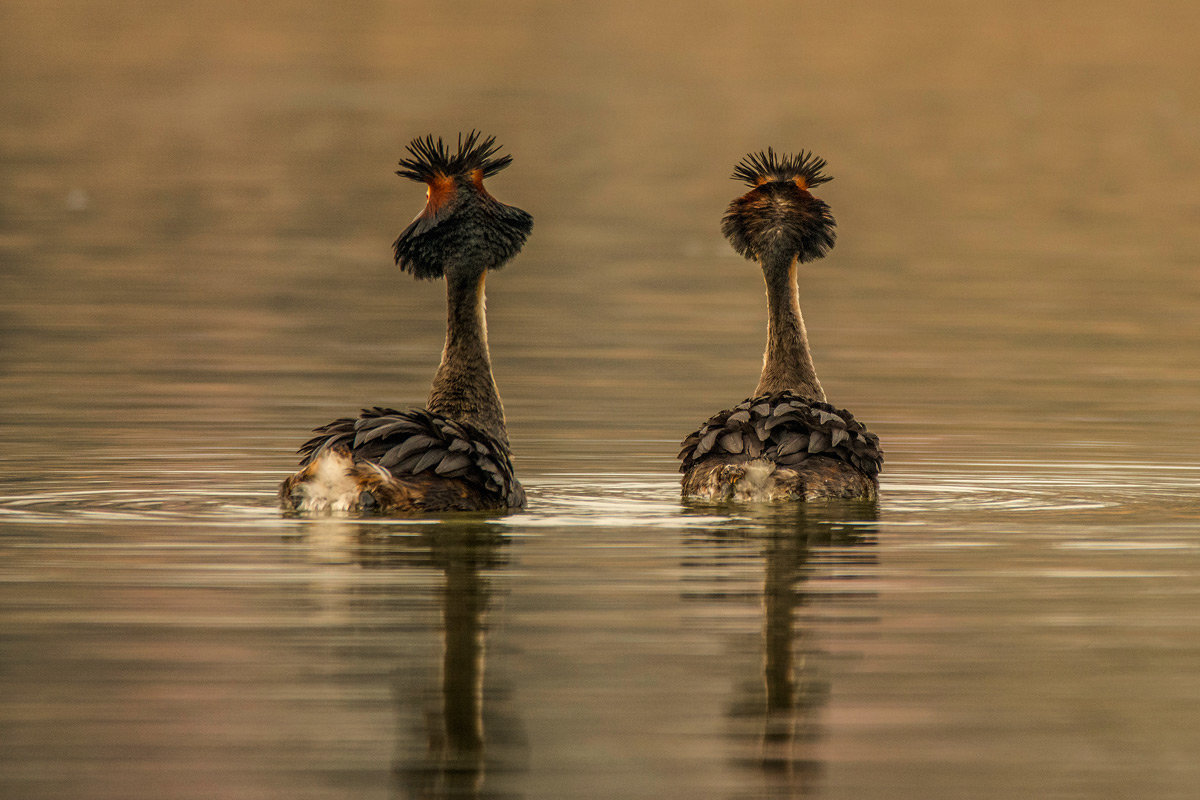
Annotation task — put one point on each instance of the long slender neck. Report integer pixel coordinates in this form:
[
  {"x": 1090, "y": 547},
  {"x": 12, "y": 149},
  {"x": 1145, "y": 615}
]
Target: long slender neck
[
  {"x": 787, "y": 363},
  {"x": 463, "y": 388}
]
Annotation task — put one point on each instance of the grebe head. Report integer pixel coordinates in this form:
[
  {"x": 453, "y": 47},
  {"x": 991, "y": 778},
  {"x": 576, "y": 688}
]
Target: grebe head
[
  {"x": 462, "y": 228},
  {"x": 779, "y": 220}
]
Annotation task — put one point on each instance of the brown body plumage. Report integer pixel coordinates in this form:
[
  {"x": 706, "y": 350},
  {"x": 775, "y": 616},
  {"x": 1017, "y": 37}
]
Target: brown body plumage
[
  {"x": 454, "y": 454},
  {"x": 785, "y": 442}
]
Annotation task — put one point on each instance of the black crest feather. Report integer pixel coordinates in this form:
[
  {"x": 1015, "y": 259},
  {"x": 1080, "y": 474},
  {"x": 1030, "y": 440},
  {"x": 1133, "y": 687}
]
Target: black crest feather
[
  {"x": 431, "y": 158},
  {"x": 760, "y": 167}
]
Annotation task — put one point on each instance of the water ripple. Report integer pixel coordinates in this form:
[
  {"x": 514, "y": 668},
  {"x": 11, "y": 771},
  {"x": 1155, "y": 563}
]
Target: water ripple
[
  {"x": 651, "y": 500},
  {"x": 167, "y": 505},
  {"x": 1036, "y": 487}
]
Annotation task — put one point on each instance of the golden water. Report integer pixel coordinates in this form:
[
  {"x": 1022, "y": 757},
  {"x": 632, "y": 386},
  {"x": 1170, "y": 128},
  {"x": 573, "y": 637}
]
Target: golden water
[{"x": 196, "y": 208}]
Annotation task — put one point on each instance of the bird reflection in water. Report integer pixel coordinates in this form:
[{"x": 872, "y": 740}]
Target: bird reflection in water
[
  {"x": 775, "y": 716},
  {"x": 464, "y": 731}
]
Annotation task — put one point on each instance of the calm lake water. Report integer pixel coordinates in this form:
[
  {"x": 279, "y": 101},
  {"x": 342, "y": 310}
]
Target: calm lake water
[{"x": 196, "y": 211}]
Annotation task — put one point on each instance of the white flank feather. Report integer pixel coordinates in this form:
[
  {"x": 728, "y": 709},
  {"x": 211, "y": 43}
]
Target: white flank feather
[
  {"x": 756, "y": 483},
  {"x": 330, "y": 488}
]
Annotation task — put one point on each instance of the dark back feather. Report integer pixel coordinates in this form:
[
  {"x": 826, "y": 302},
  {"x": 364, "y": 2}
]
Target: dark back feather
[
  {"x": 784, "y": 428},
  {"x": 419, "y": 441}
]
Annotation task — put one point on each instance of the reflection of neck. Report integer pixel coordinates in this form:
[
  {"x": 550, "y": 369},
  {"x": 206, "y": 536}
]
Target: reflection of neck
[
  {"x": 778, "y": 603},
  {"x": 462, "y": 663},
  {"x": 787, "y": 363},
  {"x": 463, "y": 387}
]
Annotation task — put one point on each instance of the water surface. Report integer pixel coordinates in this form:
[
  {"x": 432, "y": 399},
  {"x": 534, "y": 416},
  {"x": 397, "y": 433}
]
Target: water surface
[{"x": 195, "y": 223}]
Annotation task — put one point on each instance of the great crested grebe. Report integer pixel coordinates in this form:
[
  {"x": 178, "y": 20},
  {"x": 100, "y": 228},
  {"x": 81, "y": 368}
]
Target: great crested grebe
[
  {"x": 452, "y": 455},
  {"x": 785, "y": 442}
]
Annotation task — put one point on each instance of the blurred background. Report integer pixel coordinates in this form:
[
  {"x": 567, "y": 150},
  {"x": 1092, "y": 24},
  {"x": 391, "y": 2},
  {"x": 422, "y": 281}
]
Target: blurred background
[
  {"x": 198, "y": 208},
  {"x": 196, "y": 212}
]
